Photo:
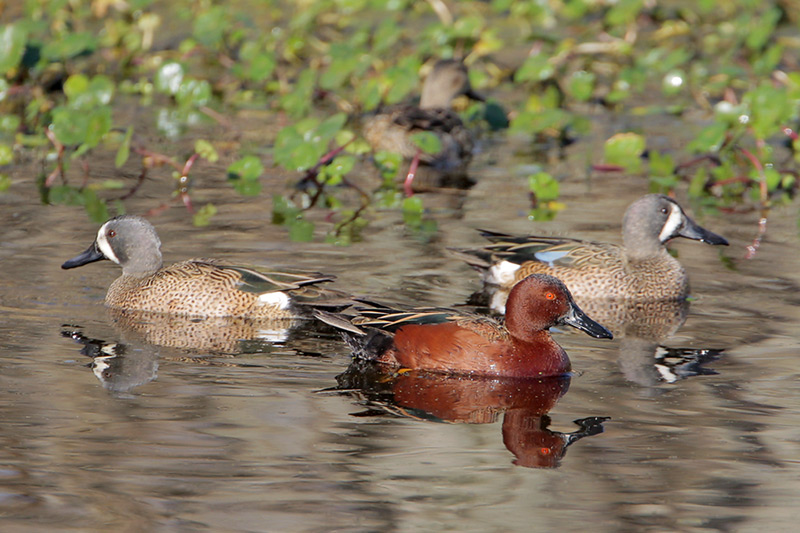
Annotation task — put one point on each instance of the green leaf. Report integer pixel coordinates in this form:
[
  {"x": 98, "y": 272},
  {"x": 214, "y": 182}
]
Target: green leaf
[
  {"x": 206, "y": 150},
  {"x": 6, "y": 154},
  {"x": 210, "y": 26},
  {"x": 624, "y": 12},
  {"x": 76, "y": 85},
  {"x": 427, "y": 141},
  {"x": 413, "y": 205},
  {"x": 388, "y": 164},
  {"x": 535, "y": 68},
  {"x": 301, "y": 230},
  {"x": 193, "y": 93},
  {"x": 710, "y": 138},
  {"x": 581, "y": 85},
  {"x": 12, "y": 46},
  {"x": 124, "y": 150},
  {"x": 625, "y": 150},
  {"x": 9, "y": 123},
  {"x": 5, "y": 182},
  {"x": 760, "y": 31},
  {"x": 544, "y": 186},
  {"x": 70, "y": 126},
  {"x": 329, "y": 127},
  {"x": 98, "y": 125},
  {"x": 112, "y": 184},
  {"x": 244, "y": 175},
  {"x": 65, "y": 195},
  {"x": 95, "y": 207},
  {"x": 341, "y": 165},
  {"x": 203, "y": 215},
  {"x": 71, "y": 45}
]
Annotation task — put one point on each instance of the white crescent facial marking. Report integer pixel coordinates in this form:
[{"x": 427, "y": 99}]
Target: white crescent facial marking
[
  {"x": 501, "y": 273},
  {"x": 277, "y": 299},
  {"x": 104, "y": 246},
  {"x": 673, "y": 222}
]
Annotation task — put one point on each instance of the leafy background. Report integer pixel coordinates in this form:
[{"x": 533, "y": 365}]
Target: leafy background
[{"x": 243, "y": 89}]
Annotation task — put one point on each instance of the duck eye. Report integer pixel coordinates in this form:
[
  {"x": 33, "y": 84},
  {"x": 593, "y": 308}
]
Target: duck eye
[
  {"x": 664, "y": 210},
  {"x": 550, "y": 295},
  {"x": 112, "y": 233}
]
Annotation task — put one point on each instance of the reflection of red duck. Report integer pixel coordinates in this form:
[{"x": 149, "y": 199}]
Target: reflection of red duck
[
  {"x": 446, "y": 340},
  {"x": 477, "y": 400}
]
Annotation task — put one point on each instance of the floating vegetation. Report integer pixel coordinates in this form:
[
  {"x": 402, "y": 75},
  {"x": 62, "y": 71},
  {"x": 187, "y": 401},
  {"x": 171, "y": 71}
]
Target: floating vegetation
[{"x": 727, "y": 71}]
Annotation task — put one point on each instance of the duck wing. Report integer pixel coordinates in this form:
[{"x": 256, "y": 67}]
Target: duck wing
[{"x": 552, "y": 251}]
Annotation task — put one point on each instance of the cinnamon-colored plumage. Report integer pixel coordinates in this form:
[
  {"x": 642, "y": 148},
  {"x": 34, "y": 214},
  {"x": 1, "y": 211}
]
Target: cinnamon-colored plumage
[{"x": 444, "y": 340}]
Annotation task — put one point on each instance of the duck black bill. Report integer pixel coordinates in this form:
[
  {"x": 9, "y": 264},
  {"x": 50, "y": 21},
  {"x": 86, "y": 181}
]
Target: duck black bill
[
  {"x": 578, "y": 319},
  {"x": 691, "y": 230},
  {"x": 91, "y": 255}
]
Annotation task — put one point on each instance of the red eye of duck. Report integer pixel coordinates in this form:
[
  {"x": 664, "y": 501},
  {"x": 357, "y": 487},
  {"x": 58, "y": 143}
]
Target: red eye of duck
[
  {"x": 550, "y": 295},
  {"x": 112, "y": 233},
  {"x": 545, "y": 451}
]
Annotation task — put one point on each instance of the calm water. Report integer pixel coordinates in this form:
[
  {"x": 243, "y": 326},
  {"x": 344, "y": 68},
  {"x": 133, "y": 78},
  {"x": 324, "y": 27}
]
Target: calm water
[{"x": 200, "y": 433}]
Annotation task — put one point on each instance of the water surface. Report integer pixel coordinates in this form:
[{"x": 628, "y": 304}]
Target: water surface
[{"x": 247, "y": 438}]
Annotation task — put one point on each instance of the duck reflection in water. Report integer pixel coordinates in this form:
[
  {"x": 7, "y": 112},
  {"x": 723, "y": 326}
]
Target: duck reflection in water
[
  {"x": 523, "y": 404},
  {"x": 120, "y": 367}
]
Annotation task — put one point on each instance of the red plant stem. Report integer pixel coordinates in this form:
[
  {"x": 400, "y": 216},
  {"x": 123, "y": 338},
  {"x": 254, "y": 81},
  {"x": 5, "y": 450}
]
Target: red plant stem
[
  {"x": 607, "y": 168},
  {"x": 59, "y": 170},
  {"x": 412, "y": 171},
  {"x": 762, "y": 230},
  {"x": 188, "y": 165},
  {"x": 759, "y": 167},
  {"x": 158, "y": 159}
]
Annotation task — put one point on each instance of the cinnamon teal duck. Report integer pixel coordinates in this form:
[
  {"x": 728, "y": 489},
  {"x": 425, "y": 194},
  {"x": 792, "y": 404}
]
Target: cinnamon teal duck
[
  {"x": 449, "y": 341},
  {"x": 200, "y": 287},
  {"x": 640, "y": 269}
]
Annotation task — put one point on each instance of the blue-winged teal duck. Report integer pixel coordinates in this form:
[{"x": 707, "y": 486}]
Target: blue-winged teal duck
[
  {"x": 201, "y": 287},
  {"x": 640, "y": 269},
  {"x": 447, "y": 340},
  {"x": 391, "y": 130}
]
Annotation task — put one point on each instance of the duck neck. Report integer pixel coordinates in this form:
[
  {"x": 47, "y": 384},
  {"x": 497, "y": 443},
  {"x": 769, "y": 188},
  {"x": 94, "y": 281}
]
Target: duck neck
[
  {"x": 639, "y": 249},
  {"x": 433, "y": 98},
  {"x": 541, "y": 355},
  {"x": 142, "y": 266}
]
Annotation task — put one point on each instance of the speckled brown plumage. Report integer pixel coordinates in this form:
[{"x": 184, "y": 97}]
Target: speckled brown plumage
[
  {"x": 641, "y": 269},
  {"x": 592, "y": 269},
  {"x": 198, "y": 287}
]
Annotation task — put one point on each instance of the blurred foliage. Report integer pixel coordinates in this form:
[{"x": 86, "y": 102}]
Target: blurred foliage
[{"x": 728, "y": 70}]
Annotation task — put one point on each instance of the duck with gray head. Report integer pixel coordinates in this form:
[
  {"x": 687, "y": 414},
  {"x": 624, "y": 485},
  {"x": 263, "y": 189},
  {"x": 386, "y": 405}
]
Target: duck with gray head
[
  {"x": 640, "y": 269},
  {"x": 198, "y": 287}
]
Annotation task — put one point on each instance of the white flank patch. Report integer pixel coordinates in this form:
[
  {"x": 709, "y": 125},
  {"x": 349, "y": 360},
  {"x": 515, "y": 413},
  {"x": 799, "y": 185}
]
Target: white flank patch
[
  {"x": 104, "y": 246},
  {"x": 273, "y": 335},
  {"x": 277, "y": 299},
  {"x": 498, "y": 302},
  {"x": 673, "y": 222},
  {"x": 501, "y": 273}
]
